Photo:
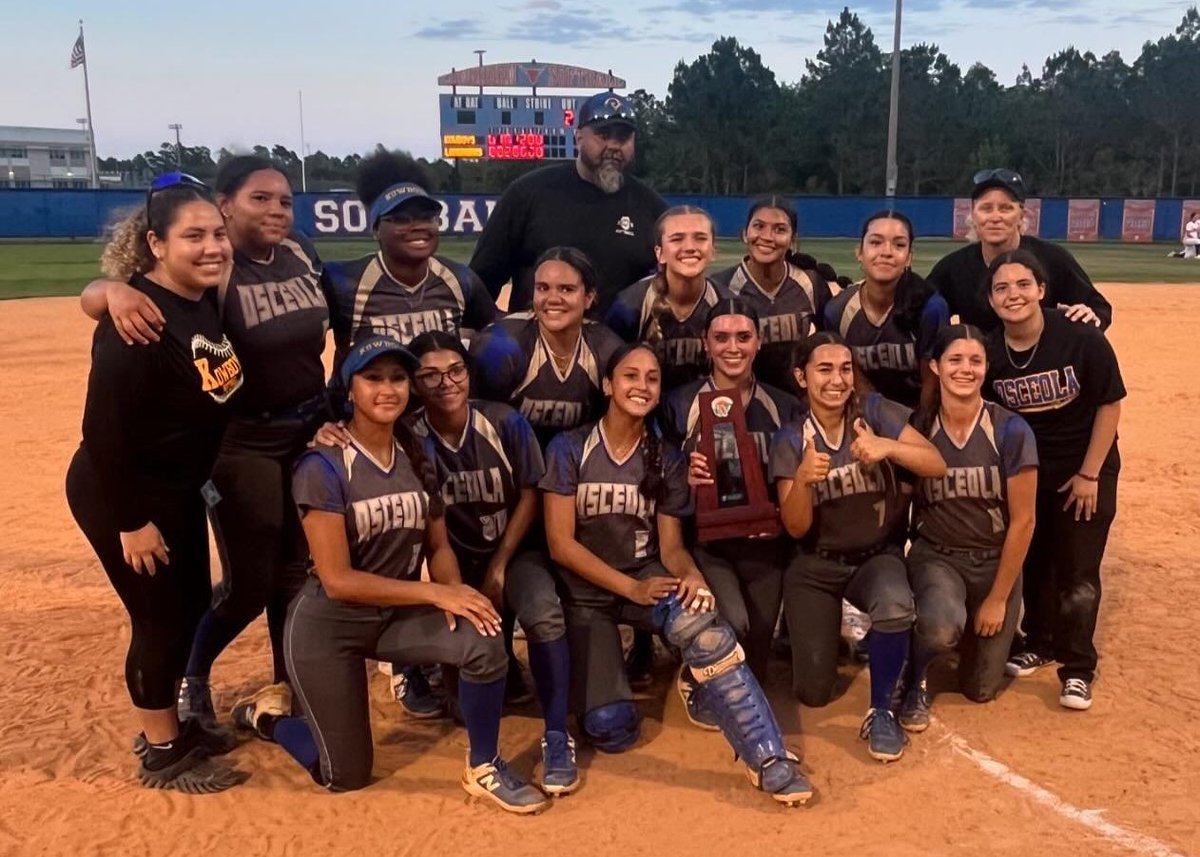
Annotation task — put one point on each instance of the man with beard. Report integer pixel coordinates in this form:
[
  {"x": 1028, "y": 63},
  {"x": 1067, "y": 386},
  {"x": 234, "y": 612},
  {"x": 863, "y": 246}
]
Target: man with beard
[{"x": 593, "y": 205}]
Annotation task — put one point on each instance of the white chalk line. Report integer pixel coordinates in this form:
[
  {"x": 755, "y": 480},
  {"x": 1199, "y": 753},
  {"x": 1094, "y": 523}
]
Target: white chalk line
[{"x": 1089, "y": 818}]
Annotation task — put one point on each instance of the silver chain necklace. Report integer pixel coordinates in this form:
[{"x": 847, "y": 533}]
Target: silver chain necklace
[{"x": 1014, "y": 363}]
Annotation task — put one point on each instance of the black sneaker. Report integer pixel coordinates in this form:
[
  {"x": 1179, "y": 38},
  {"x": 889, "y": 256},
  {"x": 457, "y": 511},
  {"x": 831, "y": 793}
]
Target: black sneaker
[
  {"x": 914, "y": 713},
  {"x": 184, "y": 765},
  {"x": 1025, "y": 664},
  {"x": 1076, "y": 694}
]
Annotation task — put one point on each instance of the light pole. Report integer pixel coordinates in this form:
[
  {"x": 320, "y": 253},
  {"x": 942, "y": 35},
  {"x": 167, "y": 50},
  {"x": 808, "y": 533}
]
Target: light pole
[
  {"x": 893, "y": 171},
  {"x": 303, "y": 166},
  {"x": 176, "y": 127}
]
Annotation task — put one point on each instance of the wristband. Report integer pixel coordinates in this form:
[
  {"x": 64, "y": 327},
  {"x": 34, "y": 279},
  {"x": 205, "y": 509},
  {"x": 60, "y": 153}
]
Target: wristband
[{"x": 1082, "y": 475}]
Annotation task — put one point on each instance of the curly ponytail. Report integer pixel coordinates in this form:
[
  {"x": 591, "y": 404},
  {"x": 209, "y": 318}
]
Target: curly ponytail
[
  {"x": 127, "y": 251},
  {"x": 653, "y": 483},
  {"x": 421, "y": 466}
]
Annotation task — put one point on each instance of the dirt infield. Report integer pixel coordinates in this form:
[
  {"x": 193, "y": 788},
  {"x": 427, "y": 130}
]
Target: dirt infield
[{"x": 1018, "y": 776}]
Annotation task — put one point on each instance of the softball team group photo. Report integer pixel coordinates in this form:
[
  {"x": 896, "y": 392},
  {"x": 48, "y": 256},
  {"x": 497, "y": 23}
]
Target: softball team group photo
[{"x": 941, "y": 450}]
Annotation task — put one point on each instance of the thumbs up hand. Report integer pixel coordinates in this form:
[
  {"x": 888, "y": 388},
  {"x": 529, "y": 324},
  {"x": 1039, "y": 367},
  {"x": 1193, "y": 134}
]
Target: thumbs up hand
[
  {"x": 814, "y": 466},
  {"x": 868, "y": 448}
]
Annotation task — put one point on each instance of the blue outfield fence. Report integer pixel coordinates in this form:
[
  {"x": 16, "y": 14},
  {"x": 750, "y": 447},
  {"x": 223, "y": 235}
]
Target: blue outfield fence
[{"x": 26, "y": 213}]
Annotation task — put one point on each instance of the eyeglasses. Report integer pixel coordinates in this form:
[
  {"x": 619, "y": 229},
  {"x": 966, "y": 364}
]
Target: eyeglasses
[
  {"x": 431, "y": 379},
  {"x": 173, "y": 179},
  {"x": 1008, "y": 177}
]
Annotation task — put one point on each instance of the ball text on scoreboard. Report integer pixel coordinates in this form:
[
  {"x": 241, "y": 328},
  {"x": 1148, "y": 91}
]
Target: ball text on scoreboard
[{"x": 507, "y": 127}]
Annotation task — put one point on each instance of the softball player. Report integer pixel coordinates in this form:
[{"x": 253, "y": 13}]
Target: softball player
[
  {"x": 275, "y": 312},
  {"x": 489, "y": 464},
  {"x": 668, "y": 309},
  {"x": 973, "y": 527},
  {"x": 547, "y": 363},
  {"x": 614, "y": 497},
  {"x": 1064, "y": 379},
  {"x": 839, "y": 495},
  {"x": 891, "y": 317},
  {"x": 137, "y": 484},
  {"x": 404, "y": 289},
  {"x": 746, "y": 575},
  {"x": 372, "y": 514},
  {"x": 783, "y": 286}
]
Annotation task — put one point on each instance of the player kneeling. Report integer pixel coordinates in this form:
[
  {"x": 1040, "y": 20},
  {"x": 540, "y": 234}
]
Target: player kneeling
[{"x": 614, "y": 497}]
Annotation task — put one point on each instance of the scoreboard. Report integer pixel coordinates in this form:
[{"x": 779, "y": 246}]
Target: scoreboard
[{"x": 499, "y": 127}]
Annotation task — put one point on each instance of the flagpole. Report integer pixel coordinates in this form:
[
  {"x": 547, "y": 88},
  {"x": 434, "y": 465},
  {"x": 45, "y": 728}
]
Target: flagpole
[{"x": 87, "y": 94}]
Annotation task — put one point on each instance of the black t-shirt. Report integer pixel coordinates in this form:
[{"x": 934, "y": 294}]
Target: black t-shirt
[
  {"x": 153, "y": 418},
  {"x": 554, "y": 207},
  {"x": 960, "y": 279},
  {"x": 1062, "y": 382},
  {"x": 276, "y": 315}
]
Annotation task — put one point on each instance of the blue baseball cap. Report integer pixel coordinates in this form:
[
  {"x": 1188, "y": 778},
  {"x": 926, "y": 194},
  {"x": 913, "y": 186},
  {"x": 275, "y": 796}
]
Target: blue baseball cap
[
  {"x": 366, "y": 351},
  {"x": 398, "y": 195},
  {"x": 607, "y": 108}
]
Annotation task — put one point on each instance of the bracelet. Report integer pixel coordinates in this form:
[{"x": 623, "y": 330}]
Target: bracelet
[{"x": 1083, "y": 475}]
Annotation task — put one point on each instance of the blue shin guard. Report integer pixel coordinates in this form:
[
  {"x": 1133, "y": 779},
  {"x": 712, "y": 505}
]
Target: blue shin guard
[{"x": 733, "y": 695}]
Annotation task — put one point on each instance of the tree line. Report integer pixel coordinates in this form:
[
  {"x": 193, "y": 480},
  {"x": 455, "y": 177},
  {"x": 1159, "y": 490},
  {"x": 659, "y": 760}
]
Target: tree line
[{"x": 1085, "y": 125}]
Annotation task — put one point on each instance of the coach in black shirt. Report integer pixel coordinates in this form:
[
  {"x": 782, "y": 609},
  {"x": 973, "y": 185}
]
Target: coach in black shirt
[
  {"x": 592, "y": 204},
  {"x": 997, "y": 209}
]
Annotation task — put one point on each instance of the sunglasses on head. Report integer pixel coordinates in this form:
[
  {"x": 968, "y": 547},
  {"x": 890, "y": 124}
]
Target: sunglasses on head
[
  {"x": 1009, "y": 177},
  {"x": 174, "y": 179}
]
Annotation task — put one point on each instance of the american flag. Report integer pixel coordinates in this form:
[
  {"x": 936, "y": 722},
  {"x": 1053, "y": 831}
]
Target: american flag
[{"x": 77, "y": 57}]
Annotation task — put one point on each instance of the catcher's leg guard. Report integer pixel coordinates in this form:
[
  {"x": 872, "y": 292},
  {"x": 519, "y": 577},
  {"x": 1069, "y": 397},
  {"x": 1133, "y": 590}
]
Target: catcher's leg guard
[
  {"x": 614, "y": 727},
  {"x": 732, "y": 693}
]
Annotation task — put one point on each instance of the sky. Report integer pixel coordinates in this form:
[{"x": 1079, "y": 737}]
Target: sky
[{"x": 231, "y": 72}]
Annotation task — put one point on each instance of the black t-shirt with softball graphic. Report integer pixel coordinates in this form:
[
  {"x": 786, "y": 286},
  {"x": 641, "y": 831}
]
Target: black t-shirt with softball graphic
[
  {"x": 967, "y": 509},
  {"x": 857, "y": 507},
  {"x": 154, "y": 414},
  {"x": 1057, "y": 386},
  {"x": 613, "y": 519},
  {"x": 680, "y": 346},
  {"x": 276, "y": 314},
  {"x": 482, "y": 474},
  {"x": 786, "y": 315},
  {"x": 555, "y": 207},
  {"x": 768, "y": 409},
  {"x": 385, "y": 507},
  {"x": 513, "y": 364}
]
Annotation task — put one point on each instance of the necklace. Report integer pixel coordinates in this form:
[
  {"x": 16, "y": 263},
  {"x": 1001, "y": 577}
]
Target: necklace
[
  {"x": 1012, "y": 361},
  {"x": 562, "y": 361}
]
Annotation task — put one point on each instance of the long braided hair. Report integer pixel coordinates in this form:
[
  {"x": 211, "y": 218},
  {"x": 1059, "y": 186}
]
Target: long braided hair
[
  {"x": 653, "y": 484},
  {"x": 660, "y": 307},
  {"x": 422, "y": 466}
]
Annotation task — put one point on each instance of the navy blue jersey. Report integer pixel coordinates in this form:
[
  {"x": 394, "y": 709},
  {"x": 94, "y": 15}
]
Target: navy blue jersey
[
  {"x": 385, "y": 507},
  {"x": 789, "y": 312},
  {"x": 276, "y": 314},
  {"x": 856, "y": 507},
  {"x": 513, "y": 364},
  {"x": 482, "y": 474},
  {"x": 768, "y": 409},
  {"x": 368, "y": 300},
  {"x": 889, "y": 356},
  {"x": 613, "y": 519},
  {"x": 679, "y": 343},
  {"x": 967, "y": 508}
]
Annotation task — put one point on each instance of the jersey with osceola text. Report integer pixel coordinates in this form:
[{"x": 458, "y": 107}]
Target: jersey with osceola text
[
  {"x": 1057, "y": 386},
  {"x": 890, "y": 357},
  {"x": 513, "y": 364},
  {"x": 482, "y": 474},
  {"x": 786, "y": 315},
  {"x": 369, "y": 301},
  {"x": 385, "y": 508},
  {"x": 679, "y": 343},
  {"x": 857, "y": 507},
  {"x": 613, "y": 519},
  {"x": 967, "y": 509},
  {"x": 768, "y": 409},
  {"x": 276, "y": 315}
]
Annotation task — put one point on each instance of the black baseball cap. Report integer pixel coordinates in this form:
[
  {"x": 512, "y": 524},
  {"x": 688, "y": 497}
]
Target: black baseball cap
[
  {"x": 366, "y": 351},
  {"x": 1009, "y": 180},
  {"x": 607, "y": 108}
]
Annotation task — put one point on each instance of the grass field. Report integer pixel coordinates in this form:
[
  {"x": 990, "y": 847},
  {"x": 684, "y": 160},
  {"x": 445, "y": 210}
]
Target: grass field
[{"x": 41, "y": 269}]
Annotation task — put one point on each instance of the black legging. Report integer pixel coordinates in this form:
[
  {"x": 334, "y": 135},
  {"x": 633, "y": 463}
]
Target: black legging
[
  {"x": 165, "y": 608},
  {"x": 263, "y": 552}
]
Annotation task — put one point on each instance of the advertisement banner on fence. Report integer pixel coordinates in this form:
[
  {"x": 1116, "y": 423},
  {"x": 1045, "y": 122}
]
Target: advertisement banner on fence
[
  {"x": 1032, "y": 223},
  {"x": 1191, "y": 211},
  {"x": 1083, "y": 220},
  {"x": 962, "y": 219},
  {"x": 1137, "y": 221},
  {"x": 343, "y": 215}
]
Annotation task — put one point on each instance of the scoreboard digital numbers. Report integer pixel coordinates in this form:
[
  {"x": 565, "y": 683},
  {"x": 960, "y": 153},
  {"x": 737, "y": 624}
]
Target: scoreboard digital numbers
[{"x": 508, "y": 127}]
